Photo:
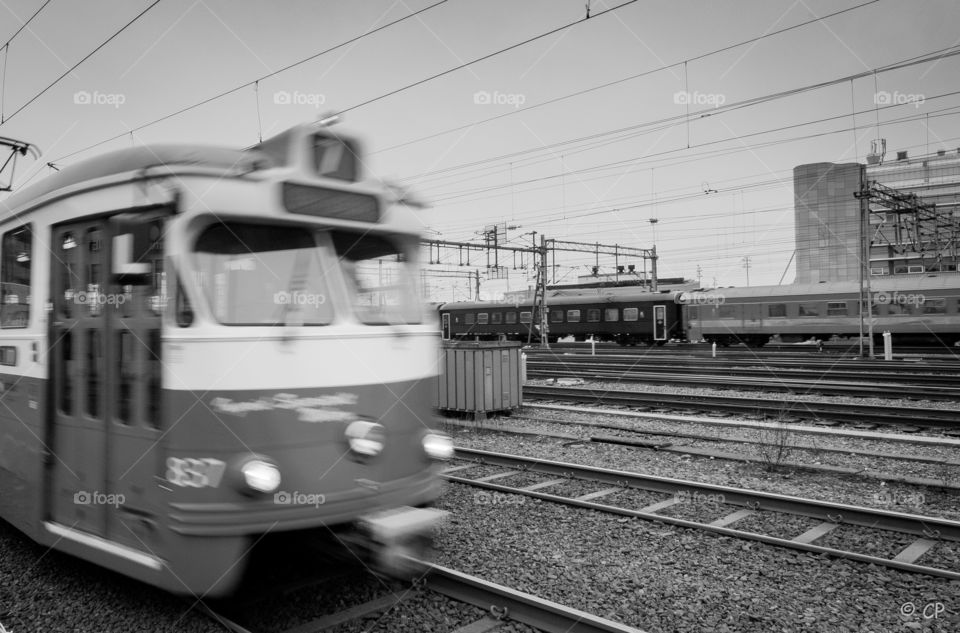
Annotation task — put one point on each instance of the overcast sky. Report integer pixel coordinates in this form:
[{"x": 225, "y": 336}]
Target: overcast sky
[{"x": 594, "y": 166}]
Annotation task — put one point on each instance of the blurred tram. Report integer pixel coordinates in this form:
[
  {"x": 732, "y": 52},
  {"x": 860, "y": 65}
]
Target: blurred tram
[{"x": 202, "y": 346}]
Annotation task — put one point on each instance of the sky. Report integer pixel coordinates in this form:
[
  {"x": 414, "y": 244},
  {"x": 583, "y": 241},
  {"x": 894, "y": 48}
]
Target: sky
[{"x": 690, "y": 113}]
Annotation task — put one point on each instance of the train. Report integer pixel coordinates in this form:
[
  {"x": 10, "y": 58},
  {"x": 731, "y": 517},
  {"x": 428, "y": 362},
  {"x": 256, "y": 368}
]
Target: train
[
  {"x": 915, "y": 309},
  {"x": 202, "y": 348}
]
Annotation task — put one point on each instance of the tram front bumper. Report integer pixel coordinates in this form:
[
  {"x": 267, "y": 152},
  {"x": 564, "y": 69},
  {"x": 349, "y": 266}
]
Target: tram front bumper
[{"x": 398, "y": 539}]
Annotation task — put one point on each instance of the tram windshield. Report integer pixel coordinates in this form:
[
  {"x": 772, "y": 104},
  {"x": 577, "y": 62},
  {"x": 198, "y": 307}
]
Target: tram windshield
[{"x": 254, "y": 274}]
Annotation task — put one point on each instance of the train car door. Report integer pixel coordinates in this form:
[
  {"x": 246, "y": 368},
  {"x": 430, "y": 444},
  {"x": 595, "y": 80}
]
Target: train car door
[
  {"x": 660, "y": 323},
  {"x": 445, "y": 326},
  {"x": 104, "y": 389}
]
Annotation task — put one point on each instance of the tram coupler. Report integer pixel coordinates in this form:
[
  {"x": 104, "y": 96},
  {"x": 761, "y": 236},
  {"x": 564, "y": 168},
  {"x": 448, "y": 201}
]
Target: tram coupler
[{"x": 399, "y": 539}]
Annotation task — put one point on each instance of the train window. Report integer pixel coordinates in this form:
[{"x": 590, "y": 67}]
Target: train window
[
  {"x": 726, "y": 312},
  {"x": 593, "y": 315},
  {"x": 809, "y": 310},
  {"x": 897, "y": 308},
  {"x": 837, "y": 308},
  {"x": 154, "y": 370},
  {"x": 257, "y": 274},
  {"x": 526, "y": 317},
  {"x": 8, "y": 355},
  {"x": 777, "y": 310},
  {"x": 468, "y": 318},
  {"x": 16, "y": 251},
  {"x": 611, "y": 314},
  {"x": 65, "y": 373},
  {"x": 483, "y": 318},
  {"x": 496, "y": 318},
  {"x": 934, "y": 306},
  {"x": 93, "y": 354},
  {"x": 631, "y": 314},
  {"x": 556, "y": 316},
  {"x": 511, "y": 317},
  {"x": 125, "y": 375},
  {"x": 573, "y": 316},
  {"x": 380, "y": 276}
]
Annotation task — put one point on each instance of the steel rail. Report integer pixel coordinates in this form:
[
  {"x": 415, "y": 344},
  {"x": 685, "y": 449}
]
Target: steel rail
[
  {"x": 769, "y": 383},
  {"x": 506, "y": 603},
  {"x": 933, "y": 528},
  {"x": 916, "y": 416}
]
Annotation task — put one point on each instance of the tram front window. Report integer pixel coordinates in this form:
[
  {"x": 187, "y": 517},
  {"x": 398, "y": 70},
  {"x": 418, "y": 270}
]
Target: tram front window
[
  {"x": 379, "y": 276},
  {"x": 252, "y": 274}
]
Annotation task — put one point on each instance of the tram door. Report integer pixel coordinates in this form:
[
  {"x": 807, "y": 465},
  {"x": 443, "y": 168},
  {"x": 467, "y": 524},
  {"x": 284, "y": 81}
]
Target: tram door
[{"x": 105, "y": 386}]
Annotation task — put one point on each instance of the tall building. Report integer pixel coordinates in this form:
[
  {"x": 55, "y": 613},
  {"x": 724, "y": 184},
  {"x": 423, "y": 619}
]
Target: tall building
[{"x": 827, "y": 216}]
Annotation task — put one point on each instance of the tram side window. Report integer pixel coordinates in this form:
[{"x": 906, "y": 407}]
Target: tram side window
[
  {"x": 611, "y": 315},
  {"x": 573, "y": 316},
  {"x": 15, "y": 257},
  {"x": 934, "y": 306},
  {"x": 775, "y": 310},
  {"x": 809, "y": 310},
  {"x": 631, "y": 314},
  {"x": 526, "y": 317},
  {"x": 837, "y": 308},
  {"x": 556, "y": 316},
  {"x": 593, "y": 315},
  {"x": 511, "y": 317}
]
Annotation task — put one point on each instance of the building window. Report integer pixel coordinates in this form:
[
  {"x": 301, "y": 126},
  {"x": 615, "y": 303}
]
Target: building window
[
  {"x": 837, "y": 308},
  {"x": 526, "y": 317},
  {"x": 809, "y": 310},
  {"x": 573, "y": 316},
  {"x": 631, "y": 314},
  {"x": 611, "y": 314},
  {"x": 511, "y": 317},
  {"x": 593, "y": 315},
  {"x": 775, "y": 310},
  {"x": 483, "y": 318},
  {"x": 556, "y": 316}
]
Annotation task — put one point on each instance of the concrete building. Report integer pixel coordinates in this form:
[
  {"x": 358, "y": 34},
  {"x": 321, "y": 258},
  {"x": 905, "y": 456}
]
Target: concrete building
[{"x": 827, "y": 217}]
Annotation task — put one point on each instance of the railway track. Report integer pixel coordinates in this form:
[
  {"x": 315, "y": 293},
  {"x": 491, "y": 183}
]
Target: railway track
[
  {"x": 845, "y": 412},
  {"x": 732, "y": 505},
  {"x": 501, "y": 605},
  {"x": 942, "y": 354}
]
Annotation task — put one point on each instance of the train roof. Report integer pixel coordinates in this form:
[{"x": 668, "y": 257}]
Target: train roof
[
  {"x": 905, "y": 283},
  {"x": 565, "y": 298},
  {"x": 134, "y": 159}
]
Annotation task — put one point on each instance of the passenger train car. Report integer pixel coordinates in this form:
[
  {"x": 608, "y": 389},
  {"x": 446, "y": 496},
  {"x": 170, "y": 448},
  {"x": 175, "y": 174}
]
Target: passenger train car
[
  {"x": 915, "y": 309},
  {"x": 627, "y": 317},
  {"x": 202, "y": 346}
]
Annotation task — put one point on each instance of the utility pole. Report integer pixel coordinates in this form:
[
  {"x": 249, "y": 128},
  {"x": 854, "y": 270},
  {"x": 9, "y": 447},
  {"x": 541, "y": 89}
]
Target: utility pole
[
  {"x": 699, "y": 276},
  {"x": 746, "y": 266}
]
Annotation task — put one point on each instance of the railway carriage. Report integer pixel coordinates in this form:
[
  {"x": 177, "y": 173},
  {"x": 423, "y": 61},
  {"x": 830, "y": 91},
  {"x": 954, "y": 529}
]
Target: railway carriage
[
  {"x": 627, "y": 317},
  {"x": 921, "y": 309},
  {"x": 202, "y": 346}
]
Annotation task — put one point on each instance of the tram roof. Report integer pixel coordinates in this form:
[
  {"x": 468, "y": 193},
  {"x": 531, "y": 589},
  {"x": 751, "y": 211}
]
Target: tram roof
[{"x": 134, "y": 159}]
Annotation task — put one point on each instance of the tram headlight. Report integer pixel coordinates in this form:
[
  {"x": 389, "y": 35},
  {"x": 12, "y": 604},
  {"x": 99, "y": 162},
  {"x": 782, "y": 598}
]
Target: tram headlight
[
  {"x": 366, "y": 439},
  {"x": 260, "y": 475},
  {"x": 438, "y": 446}
]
